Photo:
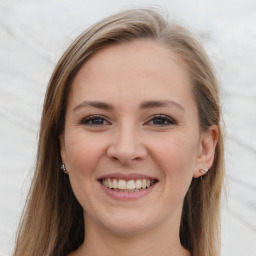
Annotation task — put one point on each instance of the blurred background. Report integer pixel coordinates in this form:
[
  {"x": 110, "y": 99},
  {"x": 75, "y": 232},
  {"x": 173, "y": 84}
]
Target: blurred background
[{"x": 34, "y": 34}]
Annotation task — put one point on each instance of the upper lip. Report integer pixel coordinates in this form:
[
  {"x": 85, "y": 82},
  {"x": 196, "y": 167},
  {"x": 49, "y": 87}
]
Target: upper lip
[{"x": 131, "y": 176}]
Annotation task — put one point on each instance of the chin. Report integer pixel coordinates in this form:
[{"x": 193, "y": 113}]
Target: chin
[
  {"x": 127, "y": 228},
  {"x": 128, "y": 223}
]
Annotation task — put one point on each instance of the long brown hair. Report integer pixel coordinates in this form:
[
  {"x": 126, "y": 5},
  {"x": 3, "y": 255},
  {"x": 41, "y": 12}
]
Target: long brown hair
[{"x": 52, "y": 222}]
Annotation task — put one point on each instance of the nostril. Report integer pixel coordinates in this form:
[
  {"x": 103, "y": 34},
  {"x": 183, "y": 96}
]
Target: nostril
[{"x": 114, "y": 159}]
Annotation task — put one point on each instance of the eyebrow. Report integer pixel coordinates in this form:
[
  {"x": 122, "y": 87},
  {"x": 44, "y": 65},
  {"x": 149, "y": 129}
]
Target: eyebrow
[
  {"x": 143, "y": 105},
  {"x": 160, "y": 103},
  {"x": 95, "y": 104}
]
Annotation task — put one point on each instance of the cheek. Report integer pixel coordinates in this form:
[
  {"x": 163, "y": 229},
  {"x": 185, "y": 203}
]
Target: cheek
[
  {"x": 83, "y": 153},
  {"x": 176, "y": 157}
]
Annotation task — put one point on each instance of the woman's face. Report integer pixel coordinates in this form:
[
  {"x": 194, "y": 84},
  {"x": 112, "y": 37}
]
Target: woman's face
[{"x": 131, "y": 123}]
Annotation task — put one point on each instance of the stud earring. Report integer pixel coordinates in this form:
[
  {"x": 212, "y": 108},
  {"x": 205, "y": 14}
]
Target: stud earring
[
  {"x": 63, "y": 168},
  {"x": 203, "y": 171}
]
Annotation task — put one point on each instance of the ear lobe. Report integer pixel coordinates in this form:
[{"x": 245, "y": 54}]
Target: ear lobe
[{"x": 206, "y": 152}]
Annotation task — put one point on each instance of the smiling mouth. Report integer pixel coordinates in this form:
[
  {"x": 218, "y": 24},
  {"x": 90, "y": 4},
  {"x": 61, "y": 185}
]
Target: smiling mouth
[{"x": 120, "y": 185}]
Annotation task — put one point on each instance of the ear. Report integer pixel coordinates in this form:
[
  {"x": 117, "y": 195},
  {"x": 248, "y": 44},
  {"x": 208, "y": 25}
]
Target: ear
[
  {"x": 62, "y": 148},
  {"x": 206, "y": 150}
]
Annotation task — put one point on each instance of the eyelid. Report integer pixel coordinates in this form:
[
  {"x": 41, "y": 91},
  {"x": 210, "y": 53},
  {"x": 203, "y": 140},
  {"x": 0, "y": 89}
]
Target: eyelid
[
  {"x": 92, "y": 117},
  {"x": 171, "y": 120},
  {"x": 86, "y": 120}
]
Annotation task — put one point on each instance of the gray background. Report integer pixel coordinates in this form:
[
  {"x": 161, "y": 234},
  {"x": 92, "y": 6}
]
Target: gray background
[{"x": 33, "y": 35}]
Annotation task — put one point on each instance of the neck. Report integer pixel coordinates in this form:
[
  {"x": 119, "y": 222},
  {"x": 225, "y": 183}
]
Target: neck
[{"x": 99, "y": 241}]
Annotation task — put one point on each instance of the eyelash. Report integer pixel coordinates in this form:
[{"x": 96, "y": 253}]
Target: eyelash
[
  {"x": 89, "y": 120},
  {"x": 167, "y": 120},
  {"x": 95, "y": 118}
]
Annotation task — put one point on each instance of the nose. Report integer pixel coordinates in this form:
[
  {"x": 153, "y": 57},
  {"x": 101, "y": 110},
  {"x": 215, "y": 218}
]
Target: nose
[{"x": 126, "y": 146}]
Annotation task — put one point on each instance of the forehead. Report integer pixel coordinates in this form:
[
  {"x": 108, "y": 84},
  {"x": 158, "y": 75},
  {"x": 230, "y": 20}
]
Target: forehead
[{"x": 141, "y": 68}]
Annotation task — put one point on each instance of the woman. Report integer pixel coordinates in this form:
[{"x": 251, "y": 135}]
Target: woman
[{"x": 130, "y": 155}]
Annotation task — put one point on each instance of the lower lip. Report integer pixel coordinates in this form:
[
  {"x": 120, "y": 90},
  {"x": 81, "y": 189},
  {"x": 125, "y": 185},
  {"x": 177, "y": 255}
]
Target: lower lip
[{"x": 127, "y": 195}]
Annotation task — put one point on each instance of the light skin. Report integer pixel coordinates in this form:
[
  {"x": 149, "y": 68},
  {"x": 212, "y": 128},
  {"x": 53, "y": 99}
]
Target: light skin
[{"x": 131, "y": 111}]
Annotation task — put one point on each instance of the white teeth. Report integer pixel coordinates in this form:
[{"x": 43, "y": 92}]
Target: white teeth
[
  {"x": 115, "y": 183},
  {"x": 144, "y": 183},
  {"x": 110, "y": 183},
  {"x": 121, "y": 184},
  {"x": 127, "y": 186},
  {"x": 130, "y": 184},
  {"x": 138, "y": 184}
]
